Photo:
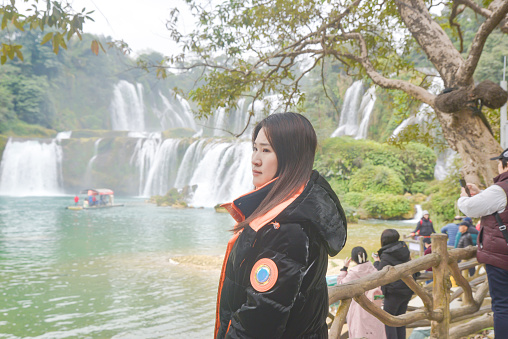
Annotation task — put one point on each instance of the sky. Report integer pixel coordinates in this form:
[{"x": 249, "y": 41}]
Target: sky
[{"x": 140, "y": 23}]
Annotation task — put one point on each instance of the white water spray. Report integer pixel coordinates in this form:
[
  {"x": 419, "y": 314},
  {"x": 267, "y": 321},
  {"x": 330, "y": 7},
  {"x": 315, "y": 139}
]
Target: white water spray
[{"x": 31, "y": 168}]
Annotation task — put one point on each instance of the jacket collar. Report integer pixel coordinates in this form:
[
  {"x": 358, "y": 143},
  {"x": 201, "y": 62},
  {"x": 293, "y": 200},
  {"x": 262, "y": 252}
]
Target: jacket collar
[
  {"x": 242, "y": 207},
  {"x": 501, "y": 177}
]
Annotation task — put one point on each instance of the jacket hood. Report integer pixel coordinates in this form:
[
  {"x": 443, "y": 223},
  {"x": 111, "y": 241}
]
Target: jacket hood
[
  {"x": 397, "y": 250},
  {"x": 319, "y": 206}
]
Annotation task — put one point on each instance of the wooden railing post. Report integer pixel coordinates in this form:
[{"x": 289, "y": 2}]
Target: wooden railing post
[{"x": 441, "y": 295}]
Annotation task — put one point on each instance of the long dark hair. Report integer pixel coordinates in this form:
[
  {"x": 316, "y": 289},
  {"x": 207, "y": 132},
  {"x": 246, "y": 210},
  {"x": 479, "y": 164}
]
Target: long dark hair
[{"x": 294, "y": 142}]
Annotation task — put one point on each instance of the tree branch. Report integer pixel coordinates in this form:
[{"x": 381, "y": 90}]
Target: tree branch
[
  {"x": 466, "y": 70},
  {"x": 453, "y": 15},
  {"x": 413, "y": 90},
  {"x": 432, "y": 39}
]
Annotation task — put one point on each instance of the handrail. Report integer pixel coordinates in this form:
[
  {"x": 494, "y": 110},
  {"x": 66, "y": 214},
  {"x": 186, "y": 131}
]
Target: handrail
[{"x": 436, "y": 309}]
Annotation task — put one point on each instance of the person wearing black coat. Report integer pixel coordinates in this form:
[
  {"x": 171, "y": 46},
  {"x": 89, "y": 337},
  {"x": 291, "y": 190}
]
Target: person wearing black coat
[
  {"x": 424, "y": 227},
  {"x": 273, "y": 280},
  {"x": 397, "y": 294}
]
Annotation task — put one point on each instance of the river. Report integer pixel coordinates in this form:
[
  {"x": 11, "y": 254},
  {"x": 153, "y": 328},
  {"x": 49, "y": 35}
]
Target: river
[{"x": 137, "y": 271}]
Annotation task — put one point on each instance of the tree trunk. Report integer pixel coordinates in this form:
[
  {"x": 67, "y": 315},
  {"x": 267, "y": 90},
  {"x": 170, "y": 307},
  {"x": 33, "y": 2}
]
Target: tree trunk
[
  {"x": 464, "y": 132},
  {"x": 468, "y": 135}
]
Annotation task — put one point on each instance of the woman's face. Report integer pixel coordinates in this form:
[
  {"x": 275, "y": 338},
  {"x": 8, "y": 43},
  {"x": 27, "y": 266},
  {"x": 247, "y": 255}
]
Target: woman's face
[{"x": 264, "y": 160}]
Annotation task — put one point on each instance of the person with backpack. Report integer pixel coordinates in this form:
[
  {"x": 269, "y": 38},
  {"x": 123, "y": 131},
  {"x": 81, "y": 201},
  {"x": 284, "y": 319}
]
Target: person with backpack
[
  {"x": 491, "y": 206},
  {"x": 424, "y": 227}
]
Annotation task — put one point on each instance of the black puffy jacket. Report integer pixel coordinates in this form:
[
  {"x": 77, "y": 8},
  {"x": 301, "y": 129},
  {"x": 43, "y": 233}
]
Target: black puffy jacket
[
  {"x": 424, "y": 227},
  {"x": 394, "y": 254},
  {"x": 291, "y": 301}
]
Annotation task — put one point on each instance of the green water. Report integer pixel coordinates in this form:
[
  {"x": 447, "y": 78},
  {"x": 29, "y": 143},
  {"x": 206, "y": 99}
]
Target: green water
[{"x": 110, "y": 273}]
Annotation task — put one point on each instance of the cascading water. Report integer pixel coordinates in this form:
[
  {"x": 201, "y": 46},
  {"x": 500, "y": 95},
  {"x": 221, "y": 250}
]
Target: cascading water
[
  {"x": 89, "y": 166},
  {"x": 218, "y": 170},
  {"x": 235, "y": 120},
  {"x": 424, "y": 114},
  {"x": 222, "y": 173},
  {"x": 127, "y": 108},
  {"x": 143, "y": 158},
  {"x": 31, "y": 168},
  {"x": 366, "y": 107},
  {"x": 163, "y": 171},
  {"x": 443, "y": 163},
  {"x": 131, "y": 108},
  {"x": 356, "y": 111}
]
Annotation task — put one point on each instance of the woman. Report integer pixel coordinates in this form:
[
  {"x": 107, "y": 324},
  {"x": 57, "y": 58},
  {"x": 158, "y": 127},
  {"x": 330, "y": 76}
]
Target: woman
[
  {"x": 273, "y": 282},
  {"x": 361, "y": 324},
  {"x": 397, "y": 294}
]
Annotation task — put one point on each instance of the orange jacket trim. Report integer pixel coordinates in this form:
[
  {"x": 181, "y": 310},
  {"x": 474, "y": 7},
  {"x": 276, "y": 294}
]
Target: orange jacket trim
[
  {"x": 256, "y": 225},
  {"x": 231, "y": 242},
  {"x": 234, "y": 211}
]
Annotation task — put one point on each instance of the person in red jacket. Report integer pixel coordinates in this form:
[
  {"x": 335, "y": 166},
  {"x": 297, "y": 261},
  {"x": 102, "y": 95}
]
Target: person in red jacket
[
  {"x": 273, "y": 279},
  {"x": 491, "y": 205}
]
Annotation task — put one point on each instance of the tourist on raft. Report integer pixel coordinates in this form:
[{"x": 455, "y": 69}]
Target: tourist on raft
[
  {"x": 273, "y": 280},
  {"x": 397, "y": 294},
  {"x": 360, "y": 323},
  {"x": 424, "y": 227}
]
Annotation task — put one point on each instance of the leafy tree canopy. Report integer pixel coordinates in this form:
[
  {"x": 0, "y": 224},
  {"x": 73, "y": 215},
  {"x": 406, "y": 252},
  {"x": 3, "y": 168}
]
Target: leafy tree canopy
[
  {"x": 57, "y": 17},
  {"x": 269, "y": 46}
]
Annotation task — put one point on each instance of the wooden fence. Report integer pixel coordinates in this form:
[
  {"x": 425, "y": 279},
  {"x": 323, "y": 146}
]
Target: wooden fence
[{"x": 436, "y": 297}]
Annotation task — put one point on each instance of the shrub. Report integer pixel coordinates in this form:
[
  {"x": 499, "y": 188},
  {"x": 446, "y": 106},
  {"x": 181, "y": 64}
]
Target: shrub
[
  {"x": 386, "y": 206},
  {"x": 376, "y": 179},
  {"x": 354, "y": 199},
  {"x": 419, "y": 187},
  {"x": 342, "y": 157},
  {"x": 443, "y": 196}
]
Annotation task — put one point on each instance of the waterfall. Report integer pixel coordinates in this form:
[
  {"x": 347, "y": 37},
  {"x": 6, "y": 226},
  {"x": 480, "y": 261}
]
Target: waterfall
[
  {"x": 143, "y": 158},
  {"x": 234, "y": 120},
  {"x": 356, "y": 111},
  {"x": 63, "y": 135},
  {"x": 89, "y": 166},
  {"x": 424, "y": 114},
  {"x": 443, "y": 163},
  {"x": 31, "y": 167},
  {"x": 424, "y": 110},
  {"x": 418, "y": 215},
  {"x": 366, "y": 108},
  {"x": 163, "y": 171},
  {"x": 133, "y": 109},
  {"x": 221, "y": 171},
  {"x": 127, "y": 108},
  {"x": 174, "y": 112}
]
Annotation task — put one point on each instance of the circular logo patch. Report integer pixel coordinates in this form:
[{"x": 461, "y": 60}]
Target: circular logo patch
[{"x": 263, "y": 275}]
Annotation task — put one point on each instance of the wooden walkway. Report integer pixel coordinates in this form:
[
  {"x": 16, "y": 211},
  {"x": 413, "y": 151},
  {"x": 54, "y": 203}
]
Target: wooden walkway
[{"x": 436, "y": 297}]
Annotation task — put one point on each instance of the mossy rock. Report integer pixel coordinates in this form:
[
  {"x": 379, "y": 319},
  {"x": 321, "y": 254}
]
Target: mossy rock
[
  {"x": 219, "y": 209},
  {"x": 3, "y": 143}
]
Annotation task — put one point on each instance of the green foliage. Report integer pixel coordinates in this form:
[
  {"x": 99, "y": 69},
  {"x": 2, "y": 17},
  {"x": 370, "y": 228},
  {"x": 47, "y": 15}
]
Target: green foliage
[
  {"x": 376, "y": 179},
  {"x": 418, "y": 187},
  {"x": 172, "y": 197},
  {"x": 354, "y": 199},
  {"x": 57, "y": 16},
  {"x": 385, "y": 206},
  {"x": 443, "y": 198},
  {"x": 341, "y": 157}
]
